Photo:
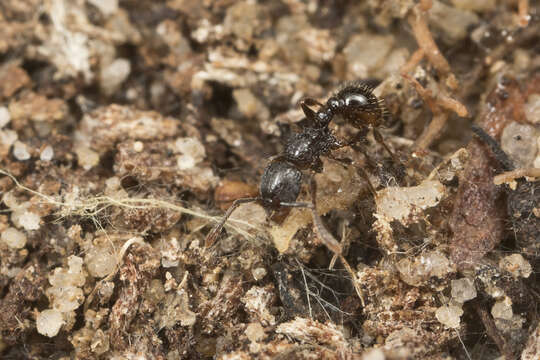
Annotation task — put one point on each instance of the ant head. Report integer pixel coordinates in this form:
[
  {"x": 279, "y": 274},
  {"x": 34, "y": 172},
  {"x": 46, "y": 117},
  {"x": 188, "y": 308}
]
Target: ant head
[
  {"x": 354, "y": 97},
  {"x": 359, "y": 105}
]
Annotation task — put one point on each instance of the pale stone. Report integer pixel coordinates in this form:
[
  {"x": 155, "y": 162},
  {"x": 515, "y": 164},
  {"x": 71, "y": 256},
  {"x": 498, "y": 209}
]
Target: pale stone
[
  {"x": 114, "y": 75},
  {"x": 516, "y": 265},
  {"x": 519, "y": 142},
  {"x": 87, "y": 157},
  {"x": 502, "y": 309},
  {"x": 463, "y": 290},
  {"x": 13, "y": 238},
  {"x": 107, "y": 7},
  {"x": 255, "y": 332},
  {"x": 20, "y": 151},
  {"x": 532, "y": 109},
  {"x": 5, "y": 117},
  {"x": 192, "y": 151},
  {"x": 449, "y": 315},
  {"x": 49, "y": 322},
  {"x": 29, "y": 220},
  {"x": 47, "y": 153},
  {"x": 100, "y": 262},
  {"x": 367, "y": 52}
]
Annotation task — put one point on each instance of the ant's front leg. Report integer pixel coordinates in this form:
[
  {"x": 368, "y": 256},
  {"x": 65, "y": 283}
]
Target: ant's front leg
[
  {"x": 378, "y": 138},
  {"x": 310, "y": 114},
  {"x": 360, "y": 171}
]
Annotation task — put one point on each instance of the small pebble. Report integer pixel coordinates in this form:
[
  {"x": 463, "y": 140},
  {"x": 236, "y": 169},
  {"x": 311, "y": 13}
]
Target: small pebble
[
  {"x": 13, "y": 238},
  {"x": 100, "y": 262},
  {"x": 49, "y": 322},
  {"x": 502, "y": 309},
  {"x": 65, "y": 298},
  {"x": 112, "y": 183},
  {"x": 20, "y": 151},
  {"x": 5, "y": 118},
  {"x": 249, "y": 105},
  {"x": 258, "y": 273},
  {"x": 114, "y": 75},
  {"x": 47, "y": 153},
  {"x": 519, "y": 142},
  {"x": 107, "y": 7},
  {"x": 366, "y": 53},
  {"x": 255, "y": 332},
  {"x": 8, "y": 137},
  {"x": 463, "y": 290},
  {"x": 449, "y": 315},
  {"x": 516, "y": 265},
  {"x": 87, "y": 157},
  {"x": 138, "y": 146},
  {"x": 532, "y": 109},
  {"x": 192, "y": 152},
  {"x": 29, "y": 220}
]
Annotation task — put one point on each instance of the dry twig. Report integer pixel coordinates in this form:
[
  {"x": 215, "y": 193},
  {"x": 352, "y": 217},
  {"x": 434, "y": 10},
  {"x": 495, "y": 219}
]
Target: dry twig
[{"x": 440, "y": 101}]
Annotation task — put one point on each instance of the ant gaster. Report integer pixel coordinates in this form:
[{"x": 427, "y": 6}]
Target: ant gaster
[{"x": 282, "y": 178}]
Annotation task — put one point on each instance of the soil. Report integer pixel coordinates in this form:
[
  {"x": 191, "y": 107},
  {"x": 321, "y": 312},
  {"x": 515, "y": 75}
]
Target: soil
[{"x": 128, "y": 128}]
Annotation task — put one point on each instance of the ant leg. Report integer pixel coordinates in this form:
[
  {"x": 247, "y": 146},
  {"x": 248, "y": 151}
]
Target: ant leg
[
  {"x": 354, "y": 144},
  {"x": 378, "y": 138},
  {"x": 296, "y": 204},
  {"x": 326, "y": 237},
  {"x": 365, "y": 176},
  {"x": 330, "y": 241},
  {"x": 310, "y": 114},
  {"x": 211, "y": 238}
]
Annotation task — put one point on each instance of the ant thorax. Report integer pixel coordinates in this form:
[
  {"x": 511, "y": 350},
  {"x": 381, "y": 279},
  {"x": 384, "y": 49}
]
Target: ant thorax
[{"x": 304, "y": 148}]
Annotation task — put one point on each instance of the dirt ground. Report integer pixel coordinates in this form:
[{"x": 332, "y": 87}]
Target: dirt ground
[{"x": 128, "y": 127}]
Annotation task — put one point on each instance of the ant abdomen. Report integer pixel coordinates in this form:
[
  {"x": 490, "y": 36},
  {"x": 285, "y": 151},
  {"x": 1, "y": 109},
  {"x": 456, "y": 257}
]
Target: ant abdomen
[{"x": 280, "y": 184}]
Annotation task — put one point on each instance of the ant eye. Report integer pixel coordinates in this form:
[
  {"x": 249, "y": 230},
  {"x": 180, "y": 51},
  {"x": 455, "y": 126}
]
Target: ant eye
[
  {"x": 355, "y": 100},
  {"x": 333, "y": 102}
]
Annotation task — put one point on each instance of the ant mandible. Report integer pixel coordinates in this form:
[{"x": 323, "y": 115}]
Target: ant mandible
[{"x": 282, "y": 178}]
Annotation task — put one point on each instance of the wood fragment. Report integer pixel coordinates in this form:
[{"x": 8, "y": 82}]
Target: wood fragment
[
  {"x": 493, "y": 332},
  {"x": 418, "y": 21},
  {"x": 510, "y": 176}
]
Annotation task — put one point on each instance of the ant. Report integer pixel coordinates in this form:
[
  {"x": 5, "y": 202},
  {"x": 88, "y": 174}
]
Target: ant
[{"x": 282, "y": 178}]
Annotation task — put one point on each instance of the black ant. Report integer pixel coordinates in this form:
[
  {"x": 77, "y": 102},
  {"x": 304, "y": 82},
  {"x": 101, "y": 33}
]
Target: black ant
[{"x": 282, "y": 179}]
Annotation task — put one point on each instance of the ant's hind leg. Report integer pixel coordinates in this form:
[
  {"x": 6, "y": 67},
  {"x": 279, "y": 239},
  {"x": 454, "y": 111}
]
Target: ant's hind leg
[
  {"x": 211, "y": 238},
  {"x": 326, "y": 237},
  {"x": 330, "y": 241}
]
